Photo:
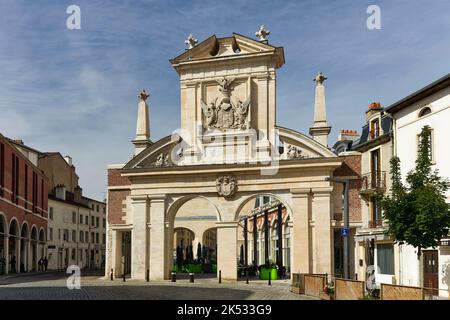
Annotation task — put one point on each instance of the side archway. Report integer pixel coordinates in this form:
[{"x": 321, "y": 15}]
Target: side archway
[{"x": 263, "y": 222}]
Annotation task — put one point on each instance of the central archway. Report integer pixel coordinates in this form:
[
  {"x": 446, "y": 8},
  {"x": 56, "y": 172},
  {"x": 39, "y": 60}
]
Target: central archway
[{"x": 188, "y": 220}]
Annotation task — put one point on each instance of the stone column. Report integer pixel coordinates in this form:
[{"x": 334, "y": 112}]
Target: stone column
[
  {"x": 246, "y": 241},
  {"x": 116, "y": 253},
  {"x": 17, "y": 253},
  {"x": 36, "y": 254},
  {"x": 139, "y": 237},
  {"x": 227, "y": 249},
  {"x": 29, "y": 257},
  {"x": 266, "y": 236},
  {"x": 280, "y": 236},
  {"x": 255, "y": 240},
  {"x": 300, "y": 232},
  {"x": 158, "y": 238},
  {"x": 323, "y": 244}
]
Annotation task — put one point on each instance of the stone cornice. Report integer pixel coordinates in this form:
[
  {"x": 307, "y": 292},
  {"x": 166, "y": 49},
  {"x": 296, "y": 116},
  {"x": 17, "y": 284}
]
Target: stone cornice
[
  {"x": 227, "y": 224},
  {"x": 309, "y": 163}
]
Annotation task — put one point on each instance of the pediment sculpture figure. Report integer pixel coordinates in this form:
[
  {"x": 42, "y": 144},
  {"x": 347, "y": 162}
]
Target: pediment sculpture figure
[
  {"x": 294, "y": 152},
  {"x": 162, "y": 160}
]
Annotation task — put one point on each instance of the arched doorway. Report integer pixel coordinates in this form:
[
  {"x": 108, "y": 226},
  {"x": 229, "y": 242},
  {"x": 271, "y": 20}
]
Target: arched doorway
[
  {"x": 34, "y": 243},
  {"x": 3, "y": 244},
  {"x": 209, "y": 241},
  {"x": 41, "y": 244},
  {"x": 24, "y": 247},
  {"x": 190, "y": 219},
  {"x": 262, "y": 231},
  {"x": 14, "y": 245}
]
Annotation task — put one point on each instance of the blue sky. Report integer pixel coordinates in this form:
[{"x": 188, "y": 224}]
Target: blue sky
[{"x": 75, "y": 91}]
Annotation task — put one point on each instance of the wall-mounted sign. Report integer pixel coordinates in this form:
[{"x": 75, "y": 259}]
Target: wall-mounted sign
[{"x": 344, "y": 232}]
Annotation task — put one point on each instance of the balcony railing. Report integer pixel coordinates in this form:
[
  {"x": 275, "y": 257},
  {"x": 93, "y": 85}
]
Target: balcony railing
[
  {"x": 372, "y": 181},
  {"x": 376, "y": 223}
]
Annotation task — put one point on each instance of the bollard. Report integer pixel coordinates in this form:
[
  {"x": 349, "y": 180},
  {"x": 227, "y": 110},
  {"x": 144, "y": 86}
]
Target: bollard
[
  {"x": 220, "y": 276},
  {"x": 191, "y": 277},
  {"x": 270, "y": 276},
  {"x": 124, "y": 277},
  {"x": 246, "y": 276},
  {"x": 174, "y": 276},
  {"x": 148, "y": 275},
  {"x": 112, "y": 275}
]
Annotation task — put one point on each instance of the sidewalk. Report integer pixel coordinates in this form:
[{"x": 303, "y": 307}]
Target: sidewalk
[{"x": 84, "y": 272}]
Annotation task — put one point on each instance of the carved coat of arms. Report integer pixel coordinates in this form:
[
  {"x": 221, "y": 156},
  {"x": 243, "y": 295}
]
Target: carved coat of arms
[
  {"x": 225, "y": 114},
  {"x": 226, "y": 186}
]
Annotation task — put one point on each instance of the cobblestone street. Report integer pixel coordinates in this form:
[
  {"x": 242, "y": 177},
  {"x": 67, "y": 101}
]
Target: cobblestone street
[{"x": 53, "y": 286}]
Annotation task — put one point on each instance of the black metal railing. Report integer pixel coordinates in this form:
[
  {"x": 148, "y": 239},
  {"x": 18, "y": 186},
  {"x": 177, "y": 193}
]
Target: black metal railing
[{"x": 375, "y": 180}]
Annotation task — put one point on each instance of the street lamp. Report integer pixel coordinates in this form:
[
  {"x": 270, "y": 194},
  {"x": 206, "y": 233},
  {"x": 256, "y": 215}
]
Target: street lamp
[{"x": 345, "y": 231}]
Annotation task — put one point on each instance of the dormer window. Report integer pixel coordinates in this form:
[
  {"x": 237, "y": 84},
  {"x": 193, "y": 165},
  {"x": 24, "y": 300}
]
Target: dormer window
[
  {"x": 424, "y": 111},
  {"x": 375, "y": 128}
]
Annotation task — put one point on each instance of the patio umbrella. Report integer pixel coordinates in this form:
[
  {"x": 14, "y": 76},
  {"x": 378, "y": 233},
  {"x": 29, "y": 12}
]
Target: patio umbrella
[
  {"x": 241, "y": 257},
  {"x": 199, "y": 252}
]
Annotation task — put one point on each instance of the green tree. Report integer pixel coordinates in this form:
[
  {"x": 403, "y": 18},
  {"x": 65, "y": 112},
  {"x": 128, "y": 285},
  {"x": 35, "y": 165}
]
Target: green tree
[{"x": 417, "y": 213}]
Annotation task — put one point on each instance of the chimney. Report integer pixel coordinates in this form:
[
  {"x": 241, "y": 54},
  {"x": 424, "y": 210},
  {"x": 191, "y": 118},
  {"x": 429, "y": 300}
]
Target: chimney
[
  {"x": 18, "y": 141},
  {"x": 348, "y": 135},
  {"x": 142, "y": 139},
  {"x": 374, "y": 107},
  {"x": 68, "y": 160},
  {"x": 320, "y": 130},
  {"x": 77, "y": 194}
]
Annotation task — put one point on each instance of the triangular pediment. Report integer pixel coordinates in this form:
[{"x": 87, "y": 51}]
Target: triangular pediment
[
  {"x": 219, "y": 48},
  {"x": 158, "y": 154},
  {"x": 300, "y": 146}
]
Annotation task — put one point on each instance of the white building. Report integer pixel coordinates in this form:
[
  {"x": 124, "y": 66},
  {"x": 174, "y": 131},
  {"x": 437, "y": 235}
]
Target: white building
[
  {"x": 76, "y": 229},
  {"x": 427, "y": 106}
]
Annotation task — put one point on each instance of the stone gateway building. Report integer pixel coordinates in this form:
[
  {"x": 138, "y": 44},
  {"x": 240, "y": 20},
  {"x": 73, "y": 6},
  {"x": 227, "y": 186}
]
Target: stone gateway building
[{"x": 199, "y": 183}]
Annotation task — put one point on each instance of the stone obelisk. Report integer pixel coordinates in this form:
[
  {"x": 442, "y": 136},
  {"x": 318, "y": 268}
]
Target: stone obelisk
[
  {"x": 320, "y": 130},
  {"x": 142, "y": 139}
]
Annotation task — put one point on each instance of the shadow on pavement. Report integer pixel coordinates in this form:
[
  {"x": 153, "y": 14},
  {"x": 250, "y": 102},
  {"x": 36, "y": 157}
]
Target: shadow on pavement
[
  {"x": 123, "y": 293},
  {"x": 44, "y": 275}
]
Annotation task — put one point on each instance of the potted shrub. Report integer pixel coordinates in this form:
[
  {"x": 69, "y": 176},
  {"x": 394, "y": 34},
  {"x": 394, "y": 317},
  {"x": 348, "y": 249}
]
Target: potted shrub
[
  {"x": 328, "y": 292},
  {"x": 267, "y": 269}
]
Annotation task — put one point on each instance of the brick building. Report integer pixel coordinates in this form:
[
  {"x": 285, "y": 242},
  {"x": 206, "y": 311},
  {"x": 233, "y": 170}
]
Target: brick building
[{"x": 23, "y": 210}]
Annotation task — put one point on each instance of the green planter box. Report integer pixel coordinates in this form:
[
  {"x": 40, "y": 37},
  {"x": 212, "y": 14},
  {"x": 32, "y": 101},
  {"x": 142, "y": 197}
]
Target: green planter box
[
  {"x": 264, "y": 274},
  {"x": 194, "y": 268}
]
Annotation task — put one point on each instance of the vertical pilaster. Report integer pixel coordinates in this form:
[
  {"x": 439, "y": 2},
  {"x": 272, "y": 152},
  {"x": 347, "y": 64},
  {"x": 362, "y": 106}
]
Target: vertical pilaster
[
  {"x": 17, "y": 253},
  {"x": 158, "y": 239},
  {"x": 29, "y": 264},
  {"x": 323, "y": 245},
  {"x": 226, "y": 250},
  {"x": 300, "y": 232},
  {"x": 139, "y": 237},
  {"x": 6, "y": 246}
]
